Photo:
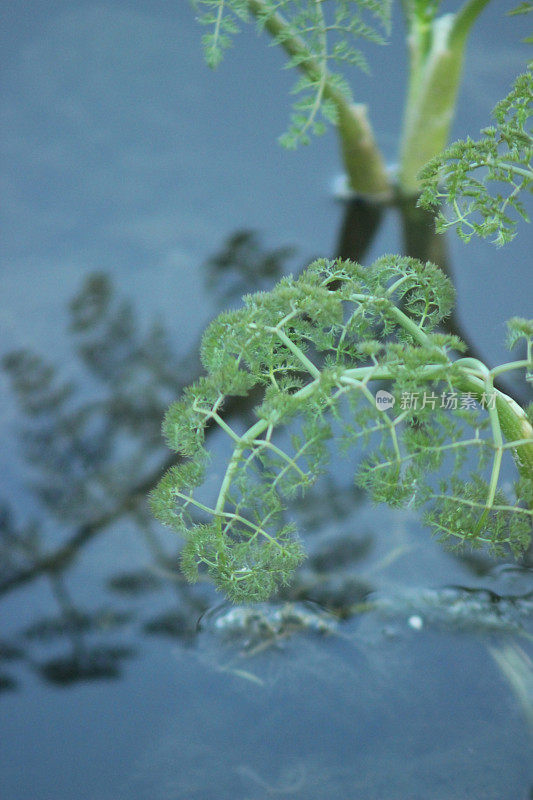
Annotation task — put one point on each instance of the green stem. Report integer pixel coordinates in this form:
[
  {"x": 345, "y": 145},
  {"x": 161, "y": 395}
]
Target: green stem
[
  {"x": 246, "y": 441},
  {"x": 363, "y": 161},
  {"x": 526, "y": 173},
  {"x": 436, "y": 52},
  {"x": 302, "y": 358},
  {"x": 509, "y": 366}
]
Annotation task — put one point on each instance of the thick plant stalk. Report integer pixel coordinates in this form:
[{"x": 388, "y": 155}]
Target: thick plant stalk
[
  {"x": 436, "y": 51},
  {"x": 363, "y": 162}
]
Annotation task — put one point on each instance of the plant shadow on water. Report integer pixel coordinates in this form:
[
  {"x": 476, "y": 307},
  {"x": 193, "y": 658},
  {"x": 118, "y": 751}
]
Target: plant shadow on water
[
  {"x": 361, "y": 683},
  {"x": 93, "y": 452}
]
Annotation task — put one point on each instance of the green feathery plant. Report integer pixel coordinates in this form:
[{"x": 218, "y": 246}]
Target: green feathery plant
[
  {"x": 315, "y": 349},
  {"x": 352, "y": 352},
  {"x": 321, "y": 38},
  {"x": 482, "y": 180}
]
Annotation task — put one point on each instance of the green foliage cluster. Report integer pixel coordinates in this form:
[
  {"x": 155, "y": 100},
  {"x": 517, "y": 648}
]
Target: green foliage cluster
[
  {"x": 482, "y": 180},
  {"x": 317, "y": 351},
  {"x": 314, "y": 350},
  {"x": 315, "y": 35}
]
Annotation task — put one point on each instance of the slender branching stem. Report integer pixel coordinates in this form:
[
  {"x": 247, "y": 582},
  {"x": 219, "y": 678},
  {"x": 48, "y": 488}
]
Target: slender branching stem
[{"x": 363, "y": 161}]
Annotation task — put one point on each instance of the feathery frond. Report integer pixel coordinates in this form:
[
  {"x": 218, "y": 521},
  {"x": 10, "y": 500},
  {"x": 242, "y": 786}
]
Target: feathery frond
[
  {"x": 481, "y": 181},
  {"x": 320, "y": 350},
  {"x": 320, "y": 37}
]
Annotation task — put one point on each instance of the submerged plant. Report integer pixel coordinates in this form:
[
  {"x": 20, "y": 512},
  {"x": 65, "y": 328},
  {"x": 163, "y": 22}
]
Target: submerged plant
[
  {"x": 322, "y": 38},
  {"x": 321, "y": 352}
]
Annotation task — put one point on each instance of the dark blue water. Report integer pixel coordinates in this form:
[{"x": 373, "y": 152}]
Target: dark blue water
[{"x": 127, "y": 166}]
